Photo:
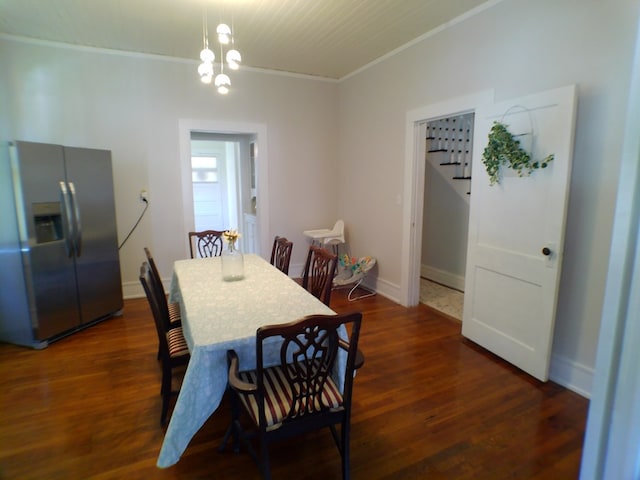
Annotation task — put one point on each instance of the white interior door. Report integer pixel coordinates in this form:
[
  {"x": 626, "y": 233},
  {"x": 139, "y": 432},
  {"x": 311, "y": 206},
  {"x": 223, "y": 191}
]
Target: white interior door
[
  {"x": 516, "y": 232},
  {"x": 212, "y": 190}
]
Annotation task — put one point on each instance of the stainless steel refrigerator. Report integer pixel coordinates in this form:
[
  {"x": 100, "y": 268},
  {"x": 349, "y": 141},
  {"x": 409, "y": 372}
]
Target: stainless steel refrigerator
[{"x": 59, "y": 263}]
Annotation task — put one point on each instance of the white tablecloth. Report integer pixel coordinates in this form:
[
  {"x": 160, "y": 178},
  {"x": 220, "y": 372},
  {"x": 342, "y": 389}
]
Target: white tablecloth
[{"x": 218, "y": 316}]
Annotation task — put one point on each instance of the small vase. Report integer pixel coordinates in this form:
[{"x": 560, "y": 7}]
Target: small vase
[{"x": 232, "y": 263}]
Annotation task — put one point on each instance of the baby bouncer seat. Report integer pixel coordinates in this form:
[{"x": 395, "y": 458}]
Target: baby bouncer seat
[{"x": 352, "y": 271}]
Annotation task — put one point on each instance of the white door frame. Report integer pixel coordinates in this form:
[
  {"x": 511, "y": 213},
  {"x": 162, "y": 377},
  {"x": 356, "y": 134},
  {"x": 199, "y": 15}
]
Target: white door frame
[
  {"x": 612, "y": 435},
  {"x": 414, "y": 171},
  {"x": 185, "y": 127}
]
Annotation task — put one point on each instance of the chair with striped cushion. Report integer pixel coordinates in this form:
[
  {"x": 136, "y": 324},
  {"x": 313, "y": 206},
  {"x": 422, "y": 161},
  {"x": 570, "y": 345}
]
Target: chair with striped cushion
[
  {"x": 318, "y": 273},
  {"x": 281, "y": 254},
  {"x": 173, "y": 346},
  {"x": 173, "y": 308},
  {"x": 299, "y": 394}
]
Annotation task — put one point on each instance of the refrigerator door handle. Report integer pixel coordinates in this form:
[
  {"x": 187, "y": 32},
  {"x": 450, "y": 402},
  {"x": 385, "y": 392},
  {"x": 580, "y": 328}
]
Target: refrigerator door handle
[
  {"x": 67, "y": 226},
  {"x": 77, "y": 220}
]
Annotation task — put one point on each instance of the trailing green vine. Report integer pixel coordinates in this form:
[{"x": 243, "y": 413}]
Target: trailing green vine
[{"x": 503, "y": 149}]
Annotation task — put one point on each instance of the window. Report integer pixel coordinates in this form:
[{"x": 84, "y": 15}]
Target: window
[{"x": 204, "y": 169}]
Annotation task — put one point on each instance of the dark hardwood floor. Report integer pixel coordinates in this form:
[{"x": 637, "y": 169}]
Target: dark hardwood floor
[{"x": 427, "y": 404}]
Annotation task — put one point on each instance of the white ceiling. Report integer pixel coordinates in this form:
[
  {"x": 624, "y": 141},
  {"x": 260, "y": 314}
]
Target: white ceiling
[{"x": 326, "y": 38}]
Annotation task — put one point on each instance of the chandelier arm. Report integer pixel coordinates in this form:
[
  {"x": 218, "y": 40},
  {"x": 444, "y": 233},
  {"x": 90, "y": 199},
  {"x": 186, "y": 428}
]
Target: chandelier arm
[
  {"x": 205, "y": 28},
  {"x": 232, "y": 34}
]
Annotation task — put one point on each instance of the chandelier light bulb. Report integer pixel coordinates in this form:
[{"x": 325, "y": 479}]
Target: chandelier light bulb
[
  {"x": 223, "y": 82},
  {"x": 224, "y": 33},
  {"x": 222, "y": 79},
  {"x": 205, "y": 70},
  {"x": 233, "y": 59},
  {"x": 207, "y": 55}
]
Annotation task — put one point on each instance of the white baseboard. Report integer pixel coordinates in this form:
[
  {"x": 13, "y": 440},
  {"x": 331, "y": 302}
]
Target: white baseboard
[
  {"x": 132, "y": 290},
  {"x": 135, "y": 290},
  {"x": 295, "y": 270},
  {"x": 381, "y": 287},
  {"x": 384, "y": 288},
  {"x": 572, "y": 375},
  {"x": 443, "y": 277}
]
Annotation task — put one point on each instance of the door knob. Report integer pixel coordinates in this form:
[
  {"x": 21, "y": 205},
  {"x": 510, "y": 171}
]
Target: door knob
[{"x": 546, "y": 251}]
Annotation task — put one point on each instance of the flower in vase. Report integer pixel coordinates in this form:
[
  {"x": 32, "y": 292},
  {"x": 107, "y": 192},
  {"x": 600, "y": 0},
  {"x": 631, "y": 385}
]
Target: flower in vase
[{"x": 230, "y": 236}]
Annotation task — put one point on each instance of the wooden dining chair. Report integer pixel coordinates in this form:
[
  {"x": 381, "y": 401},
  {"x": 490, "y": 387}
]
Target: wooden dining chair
[
  {"x": 174, "y": 317},
  {"x": 318, "y": 273},
  {"x": 173, "y": 346},
  {"x": 174, "y": 307},
  {"x": 206, "y": 243},
  {"x": 298, "y": 394},
  {"x": 281, "y": 254}
]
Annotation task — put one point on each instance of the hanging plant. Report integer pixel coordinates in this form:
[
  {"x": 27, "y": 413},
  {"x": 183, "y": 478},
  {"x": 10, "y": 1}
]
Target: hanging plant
[{"x": 503, "y": 149}]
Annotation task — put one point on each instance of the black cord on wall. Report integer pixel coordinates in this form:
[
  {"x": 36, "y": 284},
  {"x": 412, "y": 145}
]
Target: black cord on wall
[{"x": 146, "y": 205}]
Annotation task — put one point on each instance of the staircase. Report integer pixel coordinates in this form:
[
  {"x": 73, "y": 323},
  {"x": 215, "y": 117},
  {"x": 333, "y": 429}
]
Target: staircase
[{"x": 449, "y": 142}]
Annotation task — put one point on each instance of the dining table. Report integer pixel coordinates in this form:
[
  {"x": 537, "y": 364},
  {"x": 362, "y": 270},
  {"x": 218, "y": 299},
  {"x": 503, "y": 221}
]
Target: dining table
[{"x": 219, "y": 315}]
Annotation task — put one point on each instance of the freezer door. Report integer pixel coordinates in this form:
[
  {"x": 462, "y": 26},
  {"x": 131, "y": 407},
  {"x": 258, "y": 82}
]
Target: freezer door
[
  {"x": 48, "y": 264},
  {"x": 90, "y": 180}
]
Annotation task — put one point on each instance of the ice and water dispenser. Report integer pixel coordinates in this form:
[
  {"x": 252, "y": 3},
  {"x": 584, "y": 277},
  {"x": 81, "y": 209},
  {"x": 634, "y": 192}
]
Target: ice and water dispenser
[{"x": 47, "y": 218}]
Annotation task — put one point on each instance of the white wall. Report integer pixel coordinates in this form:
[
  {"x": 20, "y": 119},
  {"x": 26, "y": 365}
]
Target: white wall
[
  {"x": 516, "y": 47},
  {"x": 132, "y": 105},
  {"x": 445, "y": 227}
]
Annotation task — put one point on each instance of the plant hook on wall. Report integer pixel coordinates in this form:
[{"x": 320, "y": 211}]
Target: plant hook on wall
[{"x": 504, "y": 149}]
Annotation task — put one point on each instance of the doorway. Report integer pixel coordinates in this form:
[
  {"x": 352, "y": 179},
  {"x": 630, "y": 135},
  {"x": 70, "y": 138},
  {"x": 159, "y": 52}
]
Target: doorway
[
  {"x": 414, "y": 185},
  {"x": 215, "y": 180},
  {"x": 223, "y": 181},
  {"x": 445, "y": 226},
  {"x": 240, "y": 198}
]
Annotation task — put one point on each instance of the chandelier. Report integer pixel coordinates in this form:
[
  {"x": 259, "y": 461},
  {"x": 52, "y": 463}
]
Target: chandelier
[{"x": 206, "y": 69}]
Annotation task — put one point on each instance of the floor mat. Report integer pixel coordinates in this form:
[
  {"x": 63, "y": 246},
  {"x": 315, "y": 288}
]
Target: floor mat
[{"x": 443, "y": 299}]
